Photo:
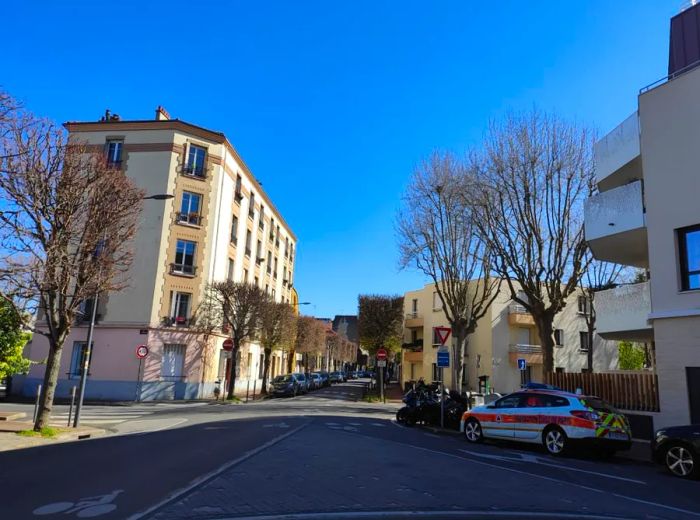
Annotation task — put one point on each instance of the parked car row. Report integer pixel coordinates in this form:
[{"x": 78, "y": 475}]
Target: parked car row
[{"x": 299, "y": 383}]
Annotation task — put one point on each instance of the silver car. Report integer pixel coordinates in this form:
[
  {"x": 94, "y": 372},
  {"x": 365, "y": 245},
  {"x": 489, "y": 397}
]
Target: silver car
[{"x": 303, "y": 382}]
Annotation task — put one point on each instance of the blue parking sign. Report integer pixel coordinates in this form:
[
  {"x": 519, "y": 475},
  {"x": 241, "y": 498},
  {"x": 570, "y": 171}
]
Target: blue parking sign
[
  {"x": 443, "y": 359},
  {"x": 522, "y": 364}
]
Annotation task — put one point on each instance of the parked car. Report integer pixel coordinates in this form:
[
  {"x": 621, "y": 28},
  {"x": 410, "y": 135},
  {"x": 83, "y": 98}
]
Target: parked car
[
  {"x": 558, "y": 420},
  {"x": 303, "y": 382},
  {"x": 354, "y": 374},
  {"x": 315, "y": 381},
  {"x": 336, "y": 377},
  {"x": 325, "y": 378},
  {"x": 287, "y": 384},
  {"x": 678, "y": 448}
]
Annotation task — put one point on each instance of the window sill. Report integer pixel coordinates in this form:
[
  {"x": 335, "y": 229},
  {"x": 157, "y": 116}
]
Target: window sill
[
  {"x": 188, "y": 224},
  {"x": 581, "y": 351},
  {"x": 183, "y": 275},
  {"x": 193, "y": 176}
]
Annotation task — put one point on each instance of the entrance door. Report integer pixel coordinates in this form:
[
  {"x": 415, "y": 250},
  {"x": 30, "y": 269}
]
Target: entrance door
[{"x": 692, "y": 375}]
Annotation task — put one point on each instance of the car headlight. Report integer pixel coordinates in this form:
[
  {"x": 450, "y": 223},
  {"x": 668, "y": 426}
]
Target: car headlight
[{"x": 660, "y": 433}]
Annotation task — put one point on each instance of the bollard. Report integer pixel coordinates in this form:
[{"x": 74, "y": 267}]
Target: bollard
[
  {"x": 36, "y": 404},
  {"x": 255, "y": 385},
  {"x": 247, "y": 391},
  {"x": 72, "y": 402}
]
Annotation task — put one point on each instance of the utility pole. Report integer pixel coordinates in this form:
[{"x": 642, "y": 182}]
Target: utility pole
[{"x": 86, "y": 362}]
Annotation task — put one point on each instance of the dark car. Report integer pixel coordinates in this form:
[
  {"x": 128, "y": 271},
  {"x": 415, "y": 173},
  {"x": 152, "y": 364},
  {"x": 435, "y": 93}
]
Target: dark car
[
  {"x": 336, "y": 377},
  {"x": 286, "y": 385},
  {"x": 303, "y": 382},
  {"x": 315, "y": 381},
  {"x": 678, "y": 448},
  {"x": 353, "y": 374},
  {"x": 325, "y": 378}
]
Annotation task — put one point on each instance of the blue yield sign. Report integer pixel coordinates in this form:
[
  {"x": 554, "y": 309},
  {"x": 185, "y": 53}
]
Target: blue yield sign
[
  {"x": 443, "y": 358},
  {"x": 522, "y": 364}
]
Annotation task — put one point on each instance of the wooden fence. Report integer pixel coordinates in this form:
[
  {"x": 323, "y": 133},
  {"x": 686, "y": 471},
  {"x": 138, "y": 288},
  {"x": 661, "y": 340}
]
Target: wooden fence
[{"x": 637, "y": 391}]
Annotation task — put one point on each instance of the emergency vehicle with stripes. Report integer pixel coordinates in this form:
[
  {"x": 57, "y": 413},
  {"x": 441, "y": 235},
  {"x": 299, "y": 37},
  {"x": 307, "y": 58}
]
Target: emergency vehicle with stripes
[{"x": 557, "y": 419}]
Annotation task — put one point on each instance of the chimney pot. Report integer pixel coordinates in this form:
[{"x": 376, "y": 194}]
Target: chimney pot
[{"x": 162, "y": 114}]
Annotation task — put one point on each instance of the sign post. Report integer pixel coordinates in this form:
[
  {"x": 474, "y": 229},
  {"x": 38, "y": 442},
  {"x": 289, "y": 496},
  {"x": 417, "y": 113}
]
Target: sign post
[
  {"x": 381, "y": 363},
  {"x": 141, "y": 353},
  {"x": 522, "y": 366},
  {"x": 443, "y": 361}
]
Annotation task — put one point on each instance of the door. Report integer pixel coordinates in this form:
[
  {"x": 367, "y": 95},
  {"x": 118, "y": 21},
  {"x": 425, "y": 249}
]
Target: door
[
  {"x": 692, "y": 375},
  {"x": 527, "y": 424},
  {"x": 501, "y": 417}
]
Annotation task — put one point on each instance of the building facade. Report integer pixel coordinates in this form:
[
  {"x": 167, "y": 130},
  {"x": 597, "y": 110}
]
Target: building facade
[
  {"x": 220, "y": 225},
  {"x": 504, "y": 335},
  {"x": 647, "y": 215}
]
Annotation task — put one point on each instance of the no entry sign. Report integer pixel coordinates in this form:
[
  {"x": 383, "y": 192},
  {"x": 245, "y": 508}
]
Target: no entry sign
[
  {"x": 381, "y": 354},
  {"x": 141, "y": 351},
  {"x": 228, "y": 344}
]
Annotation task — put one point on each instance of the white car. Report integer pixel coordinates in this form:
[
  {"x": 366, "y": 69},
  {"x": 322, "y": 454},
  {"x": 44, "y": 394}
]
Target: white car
[{"x": 554, "y": 418}]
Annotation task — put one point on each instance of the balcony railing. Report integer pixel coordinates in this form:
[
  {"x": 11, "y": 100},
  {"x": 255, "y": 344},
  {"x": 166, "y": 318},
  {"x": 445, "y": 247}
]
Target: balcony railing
[
  {"x": 176, "y": 321},
  {"x": 194, "y": 171},
  {"x": 412, "y": 315},
  {"x": 522, "y": 348},
  {"x": 516, "y": 308},
  {"x": 238, "y": 196},
  {"x": 183, "y": 269},
  {"x": 193, "y": 219}
]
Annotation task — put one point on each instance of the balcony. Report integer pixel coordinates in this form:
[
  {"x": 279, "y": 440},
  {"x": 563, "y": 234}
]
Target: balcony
[
  {"x": 621, "y": 313},
  {"x": 191, "y": 219},
  {"x": 183, "y": 270},
  {"x": 518, "y": 316},
  {"x": 413, "y": 357},
  {"x": 532, "y": 354},
  {"x": 617, "y": 155},
  {"x": 176, "y": 321},
  {"x": 615, "y": 225},
  {"x": 413, "y": 321}
]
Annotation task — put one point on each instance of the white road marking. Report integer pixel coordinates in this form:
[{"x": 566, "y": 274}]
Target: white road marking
[
  {"x": 213, "y": 474},
  {"x": 355, "y": 424},
  {"x": 536, "y": 460},
  {"x": 276, "y": 425},
  {"x": 432, "y": 435},
  {"x": 378, "y": 424}
]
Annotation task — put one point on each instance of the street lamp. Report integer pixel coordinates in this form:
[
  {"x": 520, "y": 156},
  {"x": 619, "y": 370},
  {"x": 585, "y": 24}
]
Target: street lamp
[{"x": 91, "y": 329}]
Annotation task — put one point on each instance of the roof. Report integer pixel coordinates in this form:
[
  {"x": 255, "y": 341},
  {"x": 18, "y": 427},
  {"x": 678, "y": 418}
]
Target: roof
[{"x": 181, "y": 126}]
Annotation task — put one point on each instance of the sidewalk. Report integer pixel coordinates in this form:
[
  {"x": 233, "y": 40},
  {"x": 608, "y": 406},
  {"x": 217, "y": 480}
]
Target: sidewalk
[{"x": 9, "y": 440}]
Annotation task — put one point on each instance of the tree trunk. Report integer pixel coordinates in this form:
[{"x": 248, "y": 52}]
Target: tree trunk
[
  {"x": 266, "y": 369},
  {"x": 234, "y": 364},
  {"x": 545, "y": 329},
  {"x": 458, "y": 351},
  {"x": 591, "y": 331},
  {"x": 48, "y": 389},
  {"x": 291, "y": 357}
]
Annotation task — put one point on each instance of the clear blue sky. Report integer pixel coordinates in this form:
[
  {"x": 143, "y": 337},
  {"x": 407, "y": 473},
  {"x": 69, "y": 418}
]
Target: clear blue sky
[{"x": 332, "y": 103}]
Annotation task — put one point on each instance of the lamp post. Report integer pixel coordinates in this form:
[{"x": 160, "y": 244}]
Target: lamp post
[{"x": 91, "y": 328}]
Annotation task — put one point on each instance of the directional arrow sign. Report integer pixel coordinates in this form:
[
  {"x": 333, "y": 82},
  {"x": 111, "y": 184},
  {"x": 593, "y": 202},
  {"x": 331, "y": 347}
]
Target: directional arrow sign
[{"x": 443, "y": 333}]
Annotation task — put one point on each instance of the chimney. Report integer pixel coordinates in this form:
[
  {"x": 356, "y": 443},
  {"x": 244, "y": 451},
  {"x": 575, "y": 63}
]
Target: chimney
[
  {"x": 162, "y": 114},
  {"x": 684, "y": 48}
]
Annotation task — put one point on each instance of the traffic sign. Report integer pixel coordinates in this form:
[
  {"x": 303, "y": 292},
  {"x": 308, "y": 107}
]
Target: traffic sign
[
  {"x": 227, "y": 344},
  {"x": 443, "y": 333},
  {"x": 522, "y": 364},
  {"x": 443, "y": 359},
  {"x": 141, "y": 351},
  {"x": 381, "y": 354},
  {"x": 381, "y": 363}
]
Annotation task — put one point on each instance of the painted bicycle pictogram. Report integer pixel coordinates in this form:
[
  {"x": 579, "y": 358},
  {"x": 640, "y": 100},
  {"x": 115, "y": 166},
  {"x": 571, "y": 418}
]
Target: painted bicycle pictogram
[{"x": 87, "y": 507}]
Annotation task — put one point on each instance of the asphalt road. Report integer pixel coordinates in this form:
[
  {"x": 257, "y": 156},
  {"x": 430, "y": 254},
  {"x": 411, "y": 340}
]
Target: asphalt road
[{"x": 323, "y": 455}]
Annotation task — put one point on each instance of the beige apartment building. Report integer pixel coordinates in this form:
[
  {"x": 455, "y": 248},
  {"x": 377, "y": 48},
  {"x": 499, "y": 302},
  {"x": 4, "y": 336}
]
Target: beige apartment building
[
  {"x": 647, "y": 215},
  {"x": 219, "y": 225},
  {"x": 505, "y": 334}
]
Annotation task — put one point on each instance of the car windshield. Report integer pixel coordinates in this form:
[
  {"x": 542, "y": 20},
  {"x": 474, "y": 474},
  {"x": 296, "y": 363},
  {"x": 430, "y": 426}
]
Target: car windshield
[
  {"x": 301, "y": 377},
  {"x": 598, "y": 405},
  {"x": 283, "y": 379}
]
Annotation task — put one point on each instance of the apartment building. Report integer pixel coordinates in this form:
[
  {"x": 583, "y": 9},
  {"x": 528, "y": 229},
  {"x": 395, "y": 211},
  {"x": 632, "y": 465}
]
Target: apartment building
[
  {"x": 647, "y": 215},
  {"x": 219, "y": 225},
  {"x": 505, "y": 334}
]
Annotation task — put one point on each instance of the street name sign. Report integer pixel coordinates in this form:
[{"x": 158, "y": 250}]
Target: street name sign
[
  {"x": 443, "y": 333},
  {"x": 522, "y": 364},
  {"x": 381, "y": 363}
]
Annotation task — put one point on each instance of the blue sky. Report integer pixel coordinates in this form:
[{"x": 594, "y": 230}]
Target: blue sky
[{"x": 332, "y": 104}]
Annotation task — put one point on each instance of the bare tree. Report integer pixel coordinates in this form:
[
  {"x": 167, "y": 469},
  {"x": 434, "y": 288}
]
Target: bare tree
[
  {"x": 380, "y": 322},
  {"x": 438, "y": 235},
  {"x": 535, "y": 170},
  {"x": 207, "y": 323},
  {"x": 240, "y": 305},
  {"x": 599, "y": 276},
  {"x": 277, "y": 328},
  {"x": 310, "y": 338},
  {"x": 65, "y": 231}
]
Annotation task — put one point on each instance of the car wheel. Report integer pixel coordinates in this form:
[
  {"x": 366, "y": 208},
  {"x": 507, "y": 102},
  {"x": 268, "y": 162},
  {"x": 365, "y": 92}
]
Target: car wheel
[
  {"x": 294, "y": 393},
  {"x": 401, "y": 415},
  {"x": 554, "y": 440},
  {"x": 472, "y": 431},
  {"x": 680, "y": 460}
]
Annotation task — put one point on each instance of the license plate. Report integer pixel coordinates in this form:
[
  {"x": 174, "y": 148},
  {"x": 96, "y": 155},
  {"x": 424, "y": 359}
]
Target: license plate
[{"x": 618, "y": 436}]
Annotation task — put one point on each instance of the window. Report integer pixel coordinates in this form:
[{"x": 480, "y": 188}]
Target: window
[
  {"x": 251, "y": 206},
  {"x": 85, "y": 310},
  {"x": 414, "y": 336},
  {"x": 436, "y": 372},
  {"x": 114, "y": 153},
  {"x": 269, "y": 262},
  {"x": 261, "y": 218},
  {"x": 436, "y": 338},
  {"x": 189, "y": 208},
  {"x": 173, "y": 362},
  {"x": 77, "y": 360},
  {"x": 273, "y": 293},
  {"x": 437, "y": 304},
  {"x": 582, "y": 303},
  {"x": 274, "y": 273},
  {"x": 583, "y": 337},
  {"x": 234, "y": 230},
  {"x": 277, "y": 241},
  {"x": 510, "y": 401},
  {"x": 245, "y": 275},
  {"x": 184, "y": 257},
  {"x": 689, "y": 252},
  {"x": 543, "y": 401},
  {"x": 267, "y": 288},
  {"x": 250, "y": 363},
  {"x": 257, "y": 281},
  {"x": 272, "y": 228},
  {"x": 239, "y": 189},
  {"x": 221, "y": 372},
  {"x": 286, "y": 248},
  {"x": 414, "y": 305},
  {"x": 195, "y": 161},
  {"x": 559, "y": 337},
  {"x": 258, "y": 251},
  {"x": 229, "y": 274},
  {"x": 248, "y": 240},
  {"x": 180, "y": 310}
]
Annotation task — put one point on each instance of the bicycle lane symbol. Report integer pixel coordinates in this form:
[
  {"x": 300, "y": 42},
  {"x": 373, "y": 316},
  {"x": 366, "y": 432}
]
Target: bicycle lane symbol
[{"x": 87, "y": 507}]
